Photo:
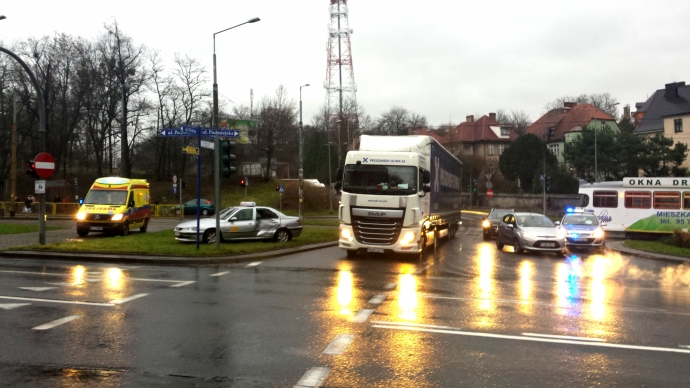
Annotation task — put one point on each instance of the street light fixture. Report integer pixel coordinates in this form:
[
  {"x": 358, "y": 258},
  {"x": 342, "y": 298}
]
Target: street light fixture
[
  {"x": 301, "y": 171},
  {"x": 214, "y": 124}
]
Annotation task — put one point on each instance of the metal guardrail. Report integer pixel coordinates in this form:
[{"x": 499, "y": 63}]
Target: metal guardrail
[{"x": 70, "y": 209}]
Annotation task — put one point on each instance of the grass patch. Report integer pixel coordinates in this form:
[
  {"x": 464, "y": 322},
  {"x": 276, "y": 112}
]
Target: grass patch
[
  {"x": 21, "y": 228},
  {"x": 163, "y": 243},
  {"x": 664, "y": 246},
  {"x": 318, "y": 222}
]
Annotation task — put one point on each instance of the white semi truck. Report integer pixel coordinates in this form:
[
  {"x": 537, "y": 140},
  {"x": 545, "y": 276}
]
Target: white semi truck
[{"x": 400, "y": 194}]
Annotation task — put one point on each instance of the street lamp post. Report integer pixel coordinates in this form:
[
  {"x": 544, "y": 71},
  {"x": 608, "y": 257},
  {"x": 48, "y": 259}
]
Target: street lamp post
[
  {"x": 301, "y": 171},
  {"x": 214, "y": 123}
]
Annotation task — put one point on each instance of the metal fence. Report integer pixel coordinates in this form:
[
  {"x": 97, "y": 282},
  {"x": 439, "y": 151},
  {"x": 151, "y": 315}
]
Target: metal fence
[{"x": 70, "y": 209}]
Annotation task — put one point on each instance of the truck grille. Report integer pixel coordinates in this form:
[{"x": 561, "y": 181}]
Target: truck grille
[{"x": 378, "y": 231}]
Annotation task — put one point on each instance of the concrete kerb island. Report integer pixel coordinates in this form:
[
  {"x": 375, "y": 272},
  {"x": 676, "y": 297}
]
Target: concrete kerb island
[{"x": 163, "y": 260}]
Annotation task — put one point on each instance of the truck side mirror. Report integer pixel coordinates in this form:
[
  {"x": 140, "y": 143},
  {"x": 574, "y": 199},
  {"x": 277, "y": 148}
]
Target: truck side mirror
[{"x": 426, "y": 176}]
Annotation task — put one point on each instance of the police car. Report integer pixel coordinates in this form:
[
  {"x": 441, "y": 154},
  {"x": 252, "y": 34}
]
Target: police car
[
  {"x": 582, "y": 229},
  {"x": 244, "y": 222}
]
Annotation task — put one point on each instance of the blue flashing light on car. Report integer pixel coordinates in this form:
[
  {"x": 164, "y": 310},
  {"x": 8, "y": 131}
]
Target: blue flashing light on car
[{"x": 569, "y": 209}]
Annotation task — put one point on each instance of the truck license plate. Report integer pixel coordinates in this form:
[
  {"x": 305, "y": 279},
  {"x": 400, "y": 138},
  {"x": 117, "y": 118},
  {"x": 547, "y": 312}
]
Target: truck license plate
[
  {"x": 548, "y": 245},
  {"x": 375, "y": 250},
  {"x": 96, "y": 228}
]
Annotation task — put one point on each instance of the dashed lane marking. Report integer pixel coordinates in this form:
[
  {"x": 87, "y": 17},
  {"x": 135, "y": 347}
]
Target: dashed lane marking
[
  {"x": 390, "y": 286},
  {"x": 361, "y": 315},
  {"x": 377, "y": 299},
  {"x": 534, "y": 339},
  {"x": 56, "y": 322},
  {"x": 121, "y": 301},
  {"x": 339, "y": 344},
  {"x": 10, "y": 306},
  {"x": 220, "y": 273},
  {"x": 58, "y": 301},
  {"x": 412, "y": 325},
  {"x": 38, "y": 289},
  {"x": 254, "y": 264},
  {"x": 566, "y": 337},
  {"x": 181, "y": 284},
  {"x": 314, "y": 377}
]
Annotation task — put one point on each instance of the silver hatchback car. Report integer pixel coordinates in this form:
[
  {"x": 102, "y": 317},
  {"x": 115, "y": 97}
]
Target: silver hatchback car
[
  {"x": 530, "y": 232},
  {"x": 244, "y": 222}
]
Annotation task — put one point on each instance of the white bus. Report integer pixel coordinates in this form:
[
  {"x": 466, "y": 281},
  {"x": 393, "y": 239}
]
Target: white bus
[{"x": 639, "y": 205}]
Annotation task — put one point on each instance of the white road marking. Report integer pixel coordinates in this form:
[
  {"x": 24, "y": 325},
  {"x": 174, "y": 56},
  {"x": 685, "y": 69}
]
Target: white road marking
[
  {"x": 361, "y": 315},
  {"x": 254, "y": 264},
  {"x": 155, "y": 280},
  {"x": 37, "y": 273},
  {"x": 564, "y": 337},
  {"x": 183, "y": 283},
  {"x": 339, "y": 344},
  {"x": 535, "y": 339},
  {"x": 413, "y": 325},
  {"x": 314, "y": 377},
  {"x": 417, "y": 272},
  {"x": 63, "y": 284},
  {"x": 390, "y": 286},
  {"x": 56, "y": 322},
  {"x": 121, "y": 301},
  {"x": 220, "y": 273},
  {"x": 377, "y": 299},
  {"x": 58, "y": 301},
  {"x": 38, "y": 289},
  {"x": 93, "y": 280},
  {"x": 684, "y": 346},
  {"x": 10, "y": 306}
]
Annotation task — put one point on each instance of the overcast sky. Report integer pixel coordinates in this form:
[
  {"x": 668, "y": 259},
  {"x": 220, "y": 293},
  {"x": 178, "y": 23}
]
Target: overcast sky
[{"x": 440, "y": 59}]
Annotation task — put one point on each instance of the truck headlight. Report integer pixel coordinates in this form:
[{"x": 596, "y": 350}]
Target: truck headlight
[
  {"x": 408, "y": 238},
  {"x": 345, "y": 234},
  {"x": 117, "y": 217},
  {"x": 81, "y": 216},
  {"x": 486, "y": 224}
]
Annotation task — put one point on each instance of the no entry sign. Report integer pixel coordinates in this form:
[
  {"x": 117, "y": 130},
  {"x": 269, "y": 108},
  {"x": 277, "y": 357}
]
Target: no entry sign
[{"x": 44, "y": 165}]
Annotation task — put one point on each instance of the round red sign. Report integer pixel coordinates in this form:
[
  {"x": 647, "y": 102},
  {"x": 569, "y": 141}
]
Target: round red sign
[
  {"x": 489, "y": 193},
  {"x": 44, "y": 165}
]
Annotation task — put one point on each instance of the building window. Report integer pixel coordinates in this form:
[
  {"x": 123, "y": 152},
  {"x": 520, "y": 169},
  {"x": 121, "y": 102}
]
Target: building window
[
  {"x": 491, "y": 149},
  {"x": 605, "y": 199},
  {"x": 553, "y": 148},
  {"x": 501, "y": 148},
  {"x": 490, "y": 169},
  {"x": 678, "y": 125},
  {"x": 467, "y": 150},
  {"x": 505, "y": 131},
  {"x": 666, "y": 200},
  {"x": 638, "y": 199}
]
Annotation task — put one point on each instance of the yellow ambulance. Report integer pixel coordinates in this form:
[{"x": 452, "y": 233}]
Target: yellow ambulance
[{"x": 115, "y": 205}]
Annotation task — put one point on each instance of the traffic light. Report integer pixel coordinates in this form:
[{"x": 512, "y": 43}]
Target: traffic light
[
  {"x": 184, "y": 184},
  {"x": 548, "y": 183},
  {"x": 474, "y": 186},
  {"x": 243, "y": 182},
  {"x": 31, "y": 169},
  {"x": 277, "y": 188},
  {"x": 227, "y": 159}
]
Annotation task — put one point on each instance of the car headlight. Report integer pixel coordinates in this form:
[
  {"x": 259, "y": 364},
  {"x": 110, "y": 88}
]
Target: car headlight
[
  {"x": 408, "y": 238},
  {"x": 526, "y": 234},
  {"x": 561, "y": 234},
  {"x": 598, "y": 233},
  {"x": 486, "y": 224},
  {"x": 81, "y": 216},
  {"x": 117, "y": 217},
  {"x": 345, "y": 234}
]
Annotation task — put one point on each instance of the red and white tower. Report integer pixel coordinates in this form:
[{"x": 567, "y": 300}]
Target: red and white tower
[{"x": 340, "y": 77}]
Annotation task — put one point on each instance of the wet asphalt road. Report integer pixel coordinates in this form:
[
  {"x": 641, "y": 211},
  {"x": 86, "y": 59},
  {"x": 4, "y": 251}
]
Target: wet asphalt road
[{"x": 468, "y": 315}]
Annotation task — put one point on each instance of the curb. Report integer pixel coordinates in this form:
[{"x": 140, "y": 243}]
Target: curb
[{"x": 163, "y": 260}]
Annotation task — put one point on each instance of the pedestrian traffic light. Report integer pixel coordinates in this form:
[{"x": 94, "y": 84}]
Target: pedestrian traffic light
[
  {"x": 227, "y": 159},
  {"x": 184, "y": 184},
  {"x": 31, "y": 169},
  {"x": 243, "y": 182}
]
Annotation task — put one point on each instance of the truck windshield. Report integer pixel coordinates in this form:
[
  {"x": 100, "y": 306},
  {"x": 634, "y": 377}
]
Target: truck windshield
[
  {"x": 106, "y": 197},
  {"x": 377, "y": 179}
]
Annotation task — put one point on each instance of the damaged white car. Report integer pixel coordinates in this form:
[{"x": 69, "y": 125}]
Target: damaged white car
[{"x": 244, "y": 222}]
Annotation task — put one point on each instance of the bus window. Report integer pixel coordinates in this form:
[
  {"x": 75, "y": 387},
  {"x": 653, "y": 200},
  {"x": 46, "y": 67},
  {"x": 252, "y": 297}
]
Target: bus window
[
  {"x": 667, "y": 200},
  {"x": 605, "y": 199},
  {"x": 584, "y": 200},
  {"x": 638, "y": 199},
  {"x": 686, "y": 200}
]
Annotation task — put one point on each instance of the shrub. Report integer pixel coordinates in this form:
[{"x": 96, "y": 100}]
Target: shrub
[{"x": 681, "y": 239}]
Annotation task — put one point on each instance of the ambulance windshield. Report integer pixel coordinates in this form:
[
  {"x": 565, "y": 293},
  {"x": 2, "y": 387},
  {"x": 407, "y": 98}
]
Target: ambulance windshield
[{"x": 106, "y": 197}]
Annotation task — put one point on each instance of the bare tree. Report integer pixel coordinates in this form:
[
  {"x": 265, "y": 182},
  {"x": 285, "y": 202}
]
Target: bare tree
[
  {"x": 603, "y": 101},
  {"x": 397, "y": 122},
  {"x": 275, "y": 123}
]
